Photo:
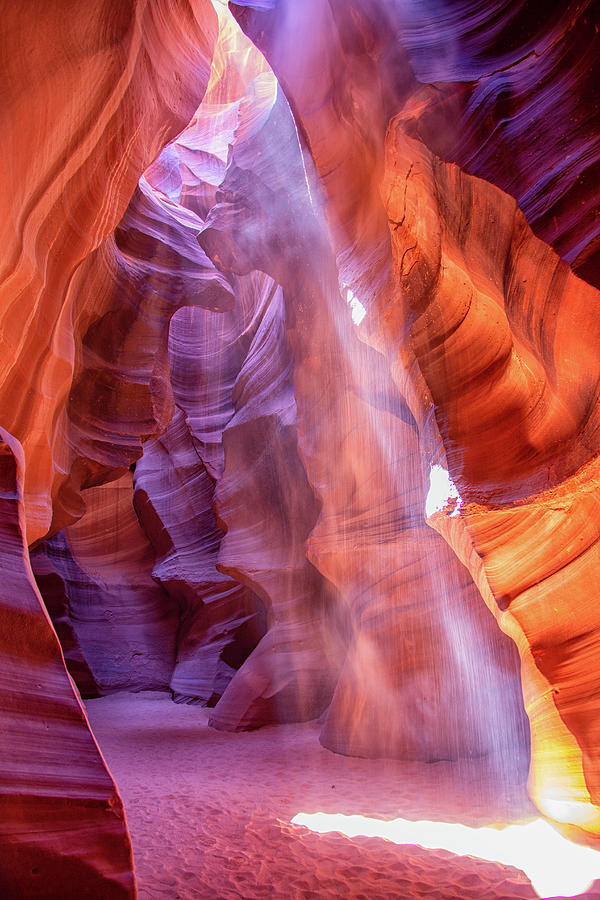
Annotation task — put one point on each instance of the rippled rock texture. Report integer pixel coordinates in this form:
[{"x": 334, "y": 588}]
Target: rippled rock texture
[
  {"x": 482, "y": 324},
  {"x": 90, "y": 96},
  {"x": 251, "y": 305},
  {"x": 123, "y": 622},
  {"x": 496, "y": 335}
]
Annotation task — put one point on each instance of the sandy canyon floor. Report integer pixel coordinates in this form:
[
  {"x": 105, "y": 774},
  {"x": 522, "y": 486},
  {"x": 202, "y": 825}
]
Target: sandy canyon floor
[{"x": 210, "y": 812}]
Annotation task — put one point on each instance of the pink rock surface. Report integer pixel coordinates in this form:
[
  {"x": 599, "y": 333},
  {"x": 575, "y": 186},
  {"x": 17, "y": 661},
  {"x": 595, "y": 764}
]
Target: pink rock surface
[
  {"x": 231, "y": 376},
  {"x": 370, "y": 539},
  {"x": 500, "y": 347},
  {"x": 219, "y": 621},
  {"x": 480, "y": 322},
  {"x": 124, "y": 623}
]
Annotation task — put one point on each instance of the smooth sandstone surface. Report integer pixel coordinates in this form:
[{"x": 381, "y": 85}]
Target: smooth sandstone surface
[
  {"x": 498, "y": 80},
  {"x": 398, "y": 691},
  {"x": 123, "y": 622},
  {"x": 63, "y": 830},
  {"x": 240, "y": 566},
  {"x": 510, "y": 346},
  {"x": 71, "y": 162}
]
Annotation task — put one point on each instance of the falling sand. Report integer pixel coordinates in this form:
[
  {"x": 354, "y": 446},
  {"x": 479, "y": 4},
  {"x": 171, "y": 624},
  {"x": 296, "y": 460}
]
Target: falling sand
[{"x": 210, "y": 813}]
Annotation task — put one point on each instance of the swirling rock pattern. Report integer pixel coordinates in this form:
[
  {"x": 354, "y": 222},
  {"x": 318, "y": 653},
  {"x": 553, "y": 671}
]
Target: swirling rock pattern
[
  {"x": 194, "y": 319},
  {"x": 503, "y": 91},
  {"x": 90, "y": 96},
  {"x": 471, "y": 314},
  {"x": 511, "y": 98},
  {"x": 370, "y": 539},
  {"x": 236, "y": 437},
  {"x": 219, "y": 621},
  {"x": 228, "y": 460},
  {"x": 124, "y": 623},
  {"x": 69, "y": 173},
  {"x": 494, "y": 332}
]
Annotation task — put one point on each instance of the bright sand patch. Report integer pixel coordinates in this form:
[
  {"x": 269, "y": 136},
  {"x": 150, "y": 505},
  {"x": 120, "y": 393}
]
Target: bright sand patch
[{"x": 210, "y": 812}]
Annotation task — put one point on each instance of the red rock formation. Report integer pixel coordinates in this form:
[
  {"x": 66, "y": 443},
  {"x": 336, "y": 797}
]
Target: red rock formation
[
  {"x": 290, "y": 484},
  {"x": 63, "y": 831},
  {"x": 231, "y": 377},
  {"x": 511, "y": 97},
  {"x": 71, "y": 161},
  {"x": 370, "y": 539},
  {"x": 90, "y": 95},
  {"x": 508, "y": 94}
]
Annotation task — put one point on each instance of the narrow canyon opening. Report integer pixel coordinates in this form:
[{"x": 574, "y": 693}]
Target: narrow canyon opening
[{"x": 298, "y": 481}]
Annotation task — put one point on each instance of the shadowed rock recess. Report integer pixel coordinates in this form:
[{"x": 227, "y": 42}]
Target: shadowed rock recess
[{"x": 299, "y": 393}]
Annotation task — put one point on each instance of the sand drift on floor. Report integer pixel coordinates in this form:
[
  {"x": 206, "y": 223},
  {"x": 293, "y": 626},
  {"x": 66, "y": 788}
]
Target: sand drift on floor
[{"x": 211, "y": 815}]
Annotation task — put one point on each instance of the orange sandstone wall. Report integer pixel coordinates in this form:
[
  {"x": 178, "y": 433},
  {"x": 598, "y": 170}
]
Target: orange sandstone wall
[
  {"x": 505, "y": 337},
  {"x": 90, "y": 94}
]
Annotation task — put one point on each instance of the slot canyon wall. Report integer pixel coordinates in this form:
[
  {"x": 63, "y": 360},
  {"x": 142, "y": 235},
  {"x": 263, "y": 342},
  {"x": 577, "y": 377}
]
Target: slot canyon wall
[{"x": 268, "y": 269}]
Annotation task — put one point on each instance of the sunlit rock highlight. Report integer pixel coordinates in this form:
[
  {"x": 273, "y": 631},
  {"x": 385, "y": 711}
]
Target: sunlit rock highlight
[
  {"x": 503, "y": 368},
  {"x": 442, "y": 494},
  {"x": 554, "y": 865},
  {"x": 482, "y": 326},
  {"x": 358, "y": 311}
]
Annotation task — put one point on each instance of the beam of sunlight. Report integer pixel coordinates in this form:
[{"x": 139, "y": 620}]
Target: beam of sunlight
[
  {"x": 554, "y": 865},
  {"x": 443, "y": 493}
]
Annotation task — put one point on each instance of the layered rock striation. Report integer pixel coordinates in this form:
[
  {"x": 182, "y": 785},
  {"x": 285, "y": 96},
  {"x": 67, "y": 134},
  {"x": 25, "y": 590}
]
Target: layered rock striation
[
  {"x": 481, "y": 324},
  {"x": 70, "y": 172},
  {"x": 498, "y": 335},
  {"x": 243, "y": 342},
  {"x": 90, "y": 96},
  {"x": 63, "y": 830},
  {"x": 124, "y": 624},
  {"x": 370, "y": 539}
]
